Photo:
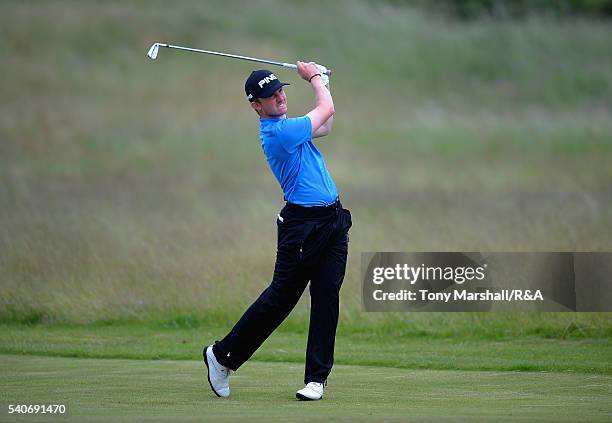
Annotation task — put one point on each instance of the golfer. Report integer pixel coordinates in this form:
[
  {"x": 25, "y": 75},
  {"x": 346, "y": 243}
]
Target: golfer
[{"x": 312, "y": 235}]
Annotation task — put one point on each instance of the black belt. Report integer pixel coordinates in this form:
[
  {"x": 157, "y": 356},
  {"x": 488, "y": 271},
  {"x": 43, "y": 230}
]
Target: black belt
[{"x": 313, "y": 211}]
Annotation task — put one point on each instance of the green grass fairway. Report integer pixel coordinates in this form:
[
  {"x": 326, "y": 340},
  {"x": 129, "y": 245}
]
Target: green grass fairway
[
  {"x": 106, "y": 371},
  {"x": 156, "y": 390}
]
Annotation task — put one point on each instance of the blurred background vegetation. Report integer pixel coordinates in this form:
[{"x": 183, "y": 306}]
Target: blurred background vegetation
[
  {"x": 137, "y": 190},
  {"x": 469, "y": 9}
]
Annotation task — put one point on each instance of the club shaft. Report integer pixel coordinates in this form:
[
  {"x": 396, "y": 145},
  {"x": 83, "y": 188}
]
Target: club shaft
[{"x": 233, "y": 56}]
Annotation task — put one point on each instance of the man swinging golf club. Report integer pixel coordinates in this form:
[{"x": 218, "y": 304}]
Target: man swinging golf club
[{"x": 312, "y": 235}]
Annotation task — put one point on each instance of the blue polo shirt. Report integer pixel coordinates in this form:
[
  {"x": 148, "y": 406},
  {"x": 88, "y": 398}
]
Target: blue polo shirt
[{"x": 295, "y": 161}]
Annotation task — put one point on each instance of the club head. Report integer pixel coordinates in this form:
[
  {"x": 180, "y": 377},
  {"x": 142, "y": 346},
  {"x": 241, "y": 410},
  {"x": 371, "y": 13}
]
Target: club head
[{"x": 153, "y": 51}]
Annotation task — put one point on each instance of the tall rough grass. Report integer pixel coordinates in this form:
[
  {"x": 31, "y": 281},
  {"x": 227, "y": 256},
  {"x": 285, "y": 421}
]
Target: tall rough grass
[{"x": 132, "y": 189}]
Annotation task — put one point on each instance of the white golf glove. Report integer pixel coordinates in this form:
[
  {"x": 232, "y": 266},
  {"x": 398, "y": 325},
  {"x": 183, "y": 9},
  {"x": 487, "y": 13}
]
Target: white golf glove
[{"x": 324, "y": 76}]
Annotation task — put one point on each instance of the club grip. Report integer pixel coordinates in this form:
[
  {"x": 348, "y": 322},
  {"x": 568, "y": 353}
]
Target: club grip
[{"x": 294, "y": 66}]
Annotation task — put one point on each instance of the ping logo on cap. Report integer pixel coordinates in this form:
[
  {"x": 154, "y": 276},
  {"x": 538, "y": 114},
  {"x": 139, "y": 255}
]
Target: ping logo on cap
[{"x": 267, "y": 80}]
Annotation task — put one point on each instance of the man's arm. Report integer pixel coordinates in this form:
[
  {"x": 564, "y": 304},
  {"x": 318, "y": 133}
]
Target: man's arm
[
  {"x": 324, "y": 104},
  {"x": 326, "y": 127}
]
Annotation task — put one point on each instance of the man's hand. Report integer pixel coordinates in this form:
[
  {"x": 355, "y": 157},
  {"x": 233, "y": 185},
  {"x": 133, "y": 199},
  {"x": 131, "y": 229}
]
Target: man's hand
[
  {"x": 323, "y": 71},
  {"x": 307, "y": 70}
]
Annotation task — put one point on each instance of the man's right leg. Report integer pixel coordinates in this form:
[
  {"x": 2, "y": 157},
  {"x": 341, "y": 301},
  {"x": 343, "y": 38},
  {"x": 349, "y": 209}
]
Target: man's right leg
[
  {"x": 272, "y": 306},
  {"x": 258, "y": 322}
]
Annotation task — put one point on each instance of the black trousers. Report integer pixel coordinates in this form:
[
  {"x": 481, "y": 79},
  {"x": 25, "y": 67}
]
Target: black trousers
[{"x": 312, "y": 247}]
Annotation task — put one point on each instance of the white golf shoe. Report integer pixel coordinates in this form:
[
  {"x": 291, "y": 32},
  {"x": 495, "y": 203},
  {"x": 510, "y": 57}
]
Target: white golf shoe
[
  {"x": 218, "y": 375},
  {"x": 311, "y": 392}
]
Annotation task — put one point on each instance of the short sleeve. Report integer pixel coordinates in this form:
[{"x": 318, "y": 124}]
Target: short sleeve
[{"x": 295, "y": 131}]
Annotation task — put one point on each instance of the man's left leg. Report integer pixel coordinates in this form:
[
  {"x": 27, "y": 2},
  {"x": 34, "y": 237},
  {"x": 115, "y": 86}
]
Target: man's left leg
[{"x": 324, "y": 303}]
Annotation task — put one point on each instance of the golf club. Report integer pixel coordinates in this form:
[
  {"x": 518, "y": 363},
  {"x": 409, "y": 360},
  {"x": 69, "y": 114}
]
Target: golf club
[{"x": 152, "y": 53}]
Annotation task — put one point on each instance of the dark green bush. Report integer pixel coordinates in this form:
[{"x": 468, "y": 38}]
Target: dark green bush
[{"x": 468, "y": 9}]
